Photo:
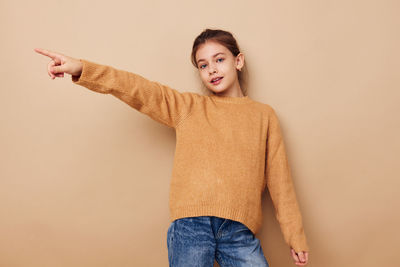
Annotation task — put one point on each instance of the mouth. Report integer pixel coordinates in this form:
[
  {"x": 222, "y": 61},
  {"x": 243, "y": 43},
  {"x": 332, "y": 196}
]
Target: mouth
[{"x": 216, "y": 80}]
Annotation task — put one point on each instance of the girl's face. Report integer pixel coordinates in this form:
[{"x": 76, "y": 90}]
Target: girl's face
[{"x": 215, "y": 61}]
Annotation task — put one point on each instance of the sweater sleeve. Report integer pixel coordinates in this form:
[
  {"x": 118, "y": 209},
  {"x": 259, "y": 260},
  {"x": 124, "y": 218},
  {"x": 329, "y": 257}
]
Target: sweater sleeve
[
  {"x": 160, "y": 102},
  {"x": 281, "y": 188}
]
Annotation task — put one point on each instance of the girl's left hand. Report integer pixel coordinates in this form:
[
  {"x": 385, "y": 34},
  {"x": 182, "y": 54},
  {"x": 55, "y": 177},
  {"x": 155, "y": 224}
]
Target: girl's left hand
[{"x": 300, "y": 258}]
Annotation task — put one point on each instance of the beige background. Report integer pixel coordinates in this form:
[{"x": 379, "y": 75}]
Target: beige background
[{"x": 85, "y": 178}]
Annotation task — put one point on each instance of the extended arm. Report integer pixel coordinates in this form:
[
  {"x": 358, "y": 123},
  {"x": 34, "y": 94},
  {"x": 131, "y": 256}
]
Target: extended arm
[{"x": 162, "y": 103}]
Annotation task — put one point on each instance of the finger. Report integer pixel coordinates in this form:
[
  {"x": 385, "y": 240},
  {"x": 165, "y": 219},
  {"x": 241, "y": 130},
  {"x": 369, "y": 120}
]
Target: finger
[
  {"x": 48, "y": 53},
  {"x": 294, "y": 255},
  {"x": 45, "y": 52},
  {"x": 57, "y": 69},
  {"x": 49, "y": 68},
  {"x": 301, "y": 256}
]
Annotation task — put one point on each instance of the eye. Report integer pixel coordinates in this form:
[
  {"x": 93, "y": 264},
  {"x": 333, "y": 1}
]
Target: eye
[
  {"x": 221, "y": 59},
  {"x": 202, "y": 66}
]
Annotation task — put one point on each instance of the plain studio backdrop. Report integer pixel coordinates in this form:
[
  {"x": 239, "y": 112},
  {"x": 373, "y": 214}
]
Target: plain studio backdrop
[{"x": 84, "y": 178}]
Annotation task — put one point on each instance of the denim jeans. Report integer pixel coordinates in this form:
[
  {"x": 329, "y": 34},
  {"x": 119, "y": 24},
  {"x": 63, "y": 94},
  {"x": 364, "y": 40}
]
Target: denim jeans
[{"x": 197, "y": 241}]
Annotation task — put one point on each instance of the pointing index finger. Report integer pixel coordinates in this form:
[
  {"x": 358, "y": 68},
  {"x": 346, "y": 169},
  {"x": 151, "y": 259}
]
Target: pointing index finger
[{"x": 46, "y": 53}]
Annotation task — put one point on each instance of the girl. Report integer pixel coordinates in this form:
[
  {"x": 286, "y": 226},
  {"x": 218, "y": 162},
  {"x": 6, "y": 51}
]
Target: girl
[{"x": 229, "y": 149}]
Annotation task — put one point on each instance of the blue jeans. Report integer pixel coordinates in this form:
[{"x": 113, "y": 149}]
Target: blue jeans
[{"x": 197, "y": 241}]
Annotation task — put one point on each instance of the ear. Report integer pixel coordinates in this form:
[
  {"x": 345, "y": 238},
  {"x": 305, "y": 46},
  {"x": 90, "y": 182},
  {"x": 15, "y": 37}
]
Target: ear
[{"x": 239, "y": 61}]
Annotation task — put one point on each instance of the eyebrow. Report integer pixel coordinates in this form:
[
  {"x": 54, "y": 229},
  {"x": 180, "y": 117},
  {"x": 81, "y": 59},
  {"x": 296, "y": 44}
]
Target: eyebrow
[{"x": 213, "y": 56}]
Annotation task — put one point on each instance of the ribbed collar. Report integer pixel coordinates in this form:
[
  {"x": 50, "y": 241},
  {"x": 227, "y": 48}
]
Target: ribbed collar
[{"x": 231, "y": 99}]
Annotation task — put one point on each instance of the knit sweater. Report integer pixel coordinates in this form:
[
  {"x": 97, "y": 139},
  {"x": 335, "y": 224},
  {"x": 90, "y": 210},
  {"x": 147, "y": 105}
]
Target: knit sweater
[{"x": 228, "y": 150}]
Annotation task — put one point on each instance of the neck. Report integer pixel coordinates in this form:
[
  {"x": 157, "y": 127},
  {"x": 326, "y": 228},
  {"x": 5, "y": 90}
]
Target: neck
[
  {"x": 233, "y": 91},
  {"x": 231, "y": 99}
]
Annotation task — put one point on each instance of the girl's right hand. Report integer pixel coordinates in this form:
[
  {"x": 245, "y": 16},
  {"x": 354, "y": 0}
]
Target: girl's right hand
[{"x": 60, "y": 63}]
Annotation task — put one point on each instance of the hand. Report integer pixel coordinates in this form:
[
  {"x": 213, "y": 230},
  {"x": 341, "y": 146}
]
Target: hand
[
  {"x": 300, "y": 258},
  {"x": 60, "y": 63}
]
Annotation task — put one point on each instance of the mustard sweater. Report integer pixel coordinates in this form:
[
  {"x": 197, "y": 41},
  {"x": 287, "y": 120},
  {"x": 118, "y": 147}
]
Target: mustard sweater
[{"x": 228, "y": 150}]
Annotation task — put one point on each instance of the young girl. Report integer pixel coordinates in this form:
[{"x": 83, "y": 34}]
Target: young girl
[{"x": 229, "y": 148}]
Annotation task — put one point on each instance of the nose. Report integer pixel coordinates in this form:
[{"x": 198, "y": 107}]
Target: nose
[{"x": 212, "y": 69}]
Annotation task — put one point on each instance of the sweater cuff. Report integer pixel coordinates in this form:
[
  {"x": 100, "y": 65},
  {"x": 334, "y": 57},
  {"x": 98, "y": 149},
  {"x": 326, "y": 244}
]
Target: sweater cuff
[
  {"x": 88, "y": 68},
  {"x": 76, "y": 79}
]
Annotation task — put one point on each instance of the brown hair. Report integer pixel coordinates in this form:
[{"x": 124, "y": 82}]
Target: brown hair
[{"x": 222, "y": 37}]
